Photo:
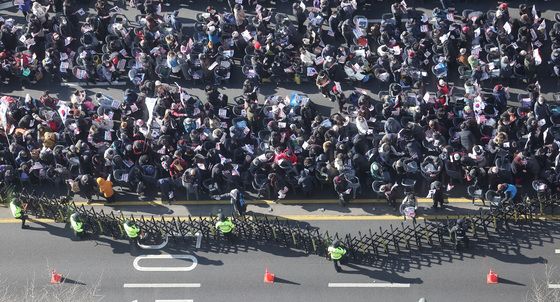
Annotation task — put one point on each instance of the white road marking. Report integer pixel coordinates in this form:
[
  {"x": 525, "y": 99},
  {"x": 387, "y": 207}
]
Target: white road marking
[
  {"x": 554, "y": 286},
  {"x": 557, "y": 251},
  {"x": 183, "y": 300},
  {"x": 399, "y": 285},
  {"x": 154, "y": 247},
  {"x": 161, "y": 285},
  {"x": 198, "y": 240},
  {"x": 165, "y": 269}
]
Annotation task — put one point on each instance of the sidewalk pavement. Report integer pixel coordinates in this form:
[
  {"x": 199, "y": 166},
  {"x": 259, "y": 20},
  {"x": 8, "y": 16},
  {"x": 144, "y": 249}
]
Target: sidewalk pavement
[{"x": 304, "y": 210}]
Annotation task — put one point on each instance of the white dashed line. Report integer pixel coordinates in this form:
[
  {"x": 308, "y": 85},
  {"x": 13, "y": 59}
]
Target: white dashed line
[
  {"x": 355, "y": 285},
  {"x": 161, "y": 285}
]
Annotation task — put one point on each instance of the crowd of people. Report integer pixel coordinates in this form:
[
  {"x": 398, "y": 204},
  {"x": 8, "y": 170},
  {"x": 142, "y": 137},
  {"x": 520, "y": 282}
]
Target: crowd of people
[{"x": 158, "y": 138}]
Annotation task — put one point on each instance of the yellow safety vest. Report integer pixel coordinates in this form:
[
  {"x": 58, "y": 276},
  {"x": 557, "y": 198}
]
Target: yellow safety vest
[
  {"x": 16, "y": 210},
  {"x": 336, "y": 253},
  {"x": 77, "y": 226},
  {"x": 225, "y": 226},
  {"x": 131, "y": 230}
]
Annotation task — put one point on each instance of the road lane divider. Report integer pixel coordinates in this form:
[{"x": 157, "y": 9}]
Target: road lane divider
[
  {"x": 179, "y": 300},
  {"x": 161, "y": 285},
  {"x": 369, "y": 285},
  {"x": 138, "y": 267}
]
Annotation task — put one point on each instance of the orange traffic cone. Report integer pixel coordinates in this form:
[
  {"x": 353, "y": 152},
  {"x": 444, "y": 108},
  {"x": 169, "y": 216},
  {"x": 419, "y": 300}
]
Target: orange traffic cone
[
  {"x": 492, "y": 278},
  {"x": 268, "y": 277},
  {"x": 55, "y": 277}
]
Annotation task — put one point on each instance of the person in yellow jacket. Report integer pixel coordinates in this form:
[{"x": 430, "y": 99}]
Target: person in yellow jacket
[
  {"x": 225, "y": 226},
  {"x": 337, "y": 254},
  {"x": 106, "y": 188},
  {"x": 78, "y": 225},
  {"x": 133, "y": 232},
  {"x": 18, "y": 212}
]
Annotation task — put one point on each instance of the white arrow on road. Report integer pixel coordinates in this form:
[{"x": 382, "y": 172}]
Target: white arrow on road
[{"x": 138, "y": 267}]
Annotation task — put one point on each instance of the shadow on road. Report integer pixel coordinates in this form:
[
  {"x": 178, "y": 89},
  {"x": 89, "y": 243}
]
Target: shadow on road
[
  {"x": 284, "y": 281},
  {"x": 71, "y": 281},
  {"x": 382, "y": 275}
]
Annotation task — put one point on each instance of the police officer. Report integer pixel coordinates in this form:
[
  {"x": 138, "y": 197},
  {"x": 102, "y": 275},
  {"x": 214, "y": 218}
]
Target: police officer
[
  {"x": 459, "y": 232},
  {"x": 18, "y": 212},
  {"x": 337, "y": 254},
  {"x": 132, "y": 231},
  {"x": 77, "y": 225},
  {"x": 225, "y": 226}
]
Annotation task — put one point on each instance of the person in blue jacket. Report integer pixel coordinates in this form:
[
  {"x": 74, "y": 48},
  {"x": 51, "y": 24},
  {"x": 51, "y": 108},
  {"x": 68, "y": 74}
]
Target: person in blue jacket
[{"x": 508, "y": 191}]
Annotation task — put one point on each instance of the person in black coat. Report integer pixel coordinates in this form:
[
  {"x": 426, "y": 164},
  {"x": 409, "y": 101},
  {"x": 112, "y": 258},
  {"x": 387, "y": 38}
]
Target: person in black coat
[
  {"x": 436, "y": 190},
  {"x": 467, "y": 138}
]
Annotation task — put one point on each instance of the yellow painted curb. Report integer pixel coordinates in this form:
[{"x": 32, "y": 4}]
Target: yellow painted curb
[
  {"x": 13, "y": 220},
  {"x": 256, "y": 202}
]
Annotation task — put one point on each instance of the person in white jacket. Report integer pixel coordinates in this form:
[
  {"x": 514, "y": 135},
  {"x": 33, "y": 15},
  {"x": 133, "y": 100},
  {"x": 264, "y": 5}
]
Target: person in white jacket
[
  {"x": 40, "y": 11},
  {"x": 362, "y": 125}
]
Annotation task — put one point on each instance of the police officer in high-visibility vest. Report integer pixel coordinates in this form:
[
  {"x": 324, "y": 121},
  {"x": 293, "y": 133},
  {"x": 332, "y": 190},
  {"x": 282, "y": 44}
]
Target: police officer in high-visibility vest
[
  {"x": 132, "y": 231},
  {"x": 225, "y": 226},
  {"x": 78, "y": 225},
  {"x": 18, "y": 212},
  {"x": 337, "y": 254}
]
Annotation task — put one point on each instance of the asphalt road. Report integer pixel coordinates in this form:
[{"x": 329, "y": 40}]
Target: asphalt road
[{"x": 236, "y": 274}]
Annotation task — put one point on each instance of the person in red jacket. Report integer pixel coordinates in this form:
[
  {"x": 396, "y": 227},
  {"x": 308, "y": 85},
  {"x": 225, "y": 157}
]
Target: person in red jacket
[{"x": 286, "y": 154}]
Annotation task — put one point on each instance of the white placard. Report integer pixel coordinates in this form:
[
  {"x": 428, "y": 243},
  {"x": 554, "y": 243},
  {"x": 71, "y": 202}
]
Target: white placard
[
  {"x": 246, "y": 35},
  {"x": 222, "y": 113},
  {"x": 133, "y": 108},
  {"x": 121, "y": 65},
  {"x": 507, "y": 27},
  {"x": 311, "y": 71},
  {"x": 211, "y": 67},
  {"x": 281, "y": 125}
]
